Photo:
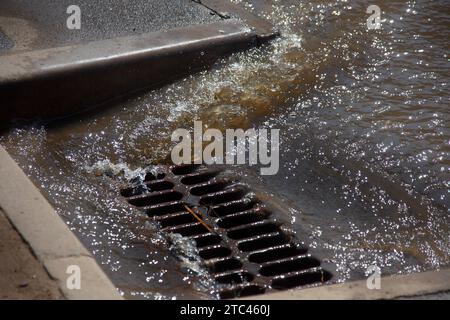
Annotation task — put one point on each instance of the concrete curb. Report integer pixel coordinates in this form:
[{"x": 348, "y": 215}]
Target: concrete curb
[
  {"x": 392, "y": 287},
  {"x": 55, "y": 246},
  {"x": 57, "y": 82}
]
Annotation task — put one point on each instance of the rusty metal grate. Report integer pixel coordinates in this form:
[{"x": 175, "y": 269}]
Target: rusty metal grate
[{"x": 245, "y": 251}]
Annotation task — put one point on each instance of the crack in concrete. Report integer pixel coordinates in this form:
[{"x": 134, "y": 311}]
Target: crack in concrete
[{"x": 222, "y": 15}]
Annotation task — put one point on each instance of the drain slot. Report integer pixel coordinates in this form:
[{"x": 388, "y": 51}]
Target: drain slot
[
  {"x": 276, "y": 253},
  {"x": 235, "y": 278},
  {"x": 176, "y": 219},
  {"x": 233, "y": 207},
  {"x": 164, "y": 209},
  {"x": 251, "y": 230},
  {"x": 188, "y": 230},
  {"x": 150, "y": 176},
  {"x": 287, "y": 266},
  {"x": 205, "y": 240},
  {"x": 199, "y": 178},
  {"x": 224, "y": 265},
  {"x": 184, "y": 169},
  {"x": 262, "y": 242},
  {"x": 159, "y": 185},
  {"x": 216, "y": 252},
  {"x": 148, "y": 187},
  {"x": 209, "y": 188},
  {"x": 151, "y": 199},
  {"x": 222, "y": 197},
  {"x": 242, "y": 218},
  {"x": 301, "y": 279}
]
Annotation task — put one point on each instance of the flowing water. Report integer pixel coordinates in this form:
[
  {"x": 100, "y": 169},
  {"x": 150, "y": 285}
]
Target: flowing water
[{"x": 365, "y": 145}]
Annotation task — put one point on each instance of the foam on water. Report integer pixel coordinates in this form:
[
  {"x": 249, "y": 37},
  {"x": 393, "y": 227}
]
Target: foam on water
[{"x": 109, "y": 168}]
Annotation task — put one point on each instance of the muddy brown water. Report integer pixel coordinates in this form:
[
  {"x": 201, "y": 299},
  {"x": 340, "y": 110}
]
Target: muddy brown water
[{"x": 365, "y": 144}]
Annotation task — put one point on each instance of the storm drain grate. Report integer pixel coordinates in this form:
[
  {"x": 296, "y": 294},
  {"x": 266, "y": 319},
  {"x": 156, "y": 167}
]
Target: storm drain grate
[{"x": 245, "y": 251}]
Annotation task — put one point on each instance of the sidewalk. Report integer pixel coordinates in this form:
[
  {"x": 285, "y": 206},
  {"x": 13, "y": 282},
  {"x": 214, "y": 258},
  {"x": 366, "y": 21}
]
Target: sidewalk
[
  {"x": 42, "y": 24},
  {"x": 22, "y": 275}
]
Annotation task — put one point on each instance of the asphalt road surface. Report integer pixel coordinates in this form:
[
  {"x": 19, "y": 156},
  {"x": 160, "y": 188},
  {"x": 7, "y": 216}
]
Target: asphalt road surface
[{"x": 100, "y": 19}]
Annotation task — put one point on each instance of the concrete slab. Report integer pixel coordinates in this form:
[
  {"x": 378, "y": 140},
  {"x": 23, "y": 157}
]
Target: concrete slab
[
  {"x": 51, "y": 241},
  {"x": 22, "y": 276}
]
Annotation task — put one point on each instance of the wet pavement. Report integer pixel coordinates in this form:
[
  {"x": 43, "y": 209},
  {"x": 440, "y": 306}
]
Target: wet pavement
[{"x": 365, "y": 147}]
